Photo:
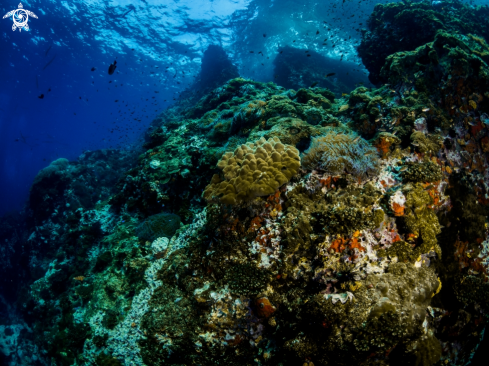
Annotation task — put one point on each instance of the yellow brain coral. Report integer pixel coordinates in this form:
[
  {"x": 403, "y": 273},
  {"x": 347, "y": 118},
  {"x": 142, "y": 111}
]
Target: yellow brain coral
[{"x": 253, "y": 170}]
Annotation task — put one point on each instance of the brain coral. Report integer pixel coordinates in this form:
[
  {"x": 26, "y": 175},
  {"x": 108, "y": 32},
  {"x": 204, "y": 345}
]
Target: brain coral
[
  {"x": 157, "y": 226},
  {"x": 341, "y": 152},
  {"x": 253, "y": 170}
]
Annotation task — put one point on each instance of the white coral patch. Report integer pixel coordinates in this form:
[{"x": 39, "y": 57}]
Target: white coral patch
[
  {"x": 343, "y": 297},
  {"x": 398, "y": 198}
]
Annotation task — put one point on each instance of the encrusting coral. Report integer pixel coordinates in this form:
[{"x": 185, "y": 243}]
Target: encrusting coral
[{"x": 253, "y": 170}]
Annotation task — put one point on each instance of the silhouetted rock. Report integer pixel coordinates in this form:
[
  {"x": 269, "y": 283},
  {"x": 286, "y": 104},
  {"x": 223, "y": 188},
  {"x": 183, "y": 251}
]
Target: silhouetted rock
[{"x": 294, "y": 69}]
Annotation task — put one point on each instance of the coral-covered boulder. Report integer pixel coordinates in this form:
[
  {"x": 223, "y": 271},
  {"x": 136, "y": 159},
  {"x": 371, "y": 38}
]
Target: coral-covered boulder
[
  {"x": 159, "y": 225},
  {"x": 404, "y": 26}
]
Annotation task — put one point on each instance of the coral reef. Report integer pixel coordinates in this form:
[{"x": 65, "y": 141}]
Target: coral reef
[
  {"x": 157, "y": 226},
  {"x": 315, "y": 229},
  {"x": 406, "y": 25},
  {"x": 421, "y": 172},
  {"x": 341, "y": 152},
  {"x": 253, "y": 170},
  {"x": 296, "y": 68}
]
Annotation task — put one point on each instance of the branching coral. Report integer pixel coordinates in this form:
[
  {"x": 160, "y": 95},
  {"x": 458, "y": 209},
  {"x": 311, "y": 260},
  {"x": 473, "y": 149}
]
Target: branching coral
[
  {"x": 340, "y": 152},
  {"x": 253, "y": 170}
]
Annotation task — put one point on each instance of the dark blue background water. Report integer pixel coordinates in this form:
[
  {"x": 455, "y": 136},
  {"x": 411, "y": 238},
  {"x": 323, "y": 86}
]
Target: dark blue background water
[{"x": 158, "y": 47}]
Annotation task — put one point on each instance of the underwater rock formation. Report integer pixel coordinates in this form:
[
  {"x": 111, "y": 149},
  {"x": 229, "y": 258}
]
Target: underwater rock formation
[
  {"x": 296, "y": 68},
  {"x": 406, "y": 25},
  {"x": 371, "y": 250},
  {"x": 216, "y": 68},
  {"x": 64, "y": 186},
  {"x": 163, "y": 225}
]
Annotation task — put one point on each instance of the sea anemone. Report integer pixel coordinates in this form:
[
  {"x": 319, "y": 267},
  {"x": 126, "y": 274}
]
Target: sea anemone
[{"x": 341, "y": 152}]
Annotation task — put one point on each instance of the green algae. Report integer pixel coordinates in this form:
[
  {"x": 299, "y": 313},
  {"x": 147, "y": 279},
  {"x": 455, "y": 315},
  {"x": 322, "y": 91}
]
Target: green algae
[
  {"x": 421, "y": 221},
  {"x": 426, "y": 144},
  {"x": 402, "y": 250},
  {"x": 421, "y": 172},
  {"x": 345, "y": 220},
  {"x": 246, "y": 279}
]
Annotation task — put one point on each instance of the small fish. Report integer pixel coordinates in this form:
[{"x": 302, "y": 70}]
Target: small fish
[
  {"x": 344, "y": 94},
  {"x": 404, "y": 168},
  {"x": 264, "y": 35},
  {"x": 41, "y": 96},
  {"x": 415, "y": 143},
  {"x": 112, "y": 67},
  {"x": 330, "y": 74},
  {"x": 425, "y": 109},
  {"x": 49, "y": 89},
  {"x": 356, "y": 139},
  {"x": 116, "y": 100},
  {"x": 431, "y": 186},
  {"x": 50, "y": 61},
  {"x": 473, "y": 123},
  {"x": 454, "y": 106},
  {"x": 382, "y": 129},
  {"x": 45, "y": 54},
  {"x": 314, "y": 84},
  {"x": 317, "y": 32},
  {"x": 93, "y": 69}
]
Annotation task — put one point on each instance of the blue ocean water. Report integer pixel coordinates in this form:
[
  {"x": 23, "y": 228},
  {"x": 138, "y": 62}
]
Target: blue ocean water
[{"x": 158, "y": 46}]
